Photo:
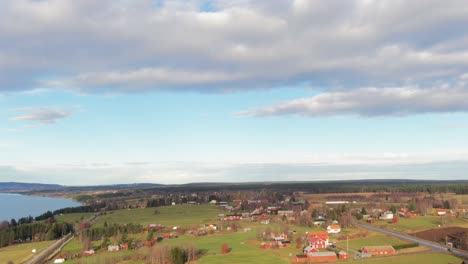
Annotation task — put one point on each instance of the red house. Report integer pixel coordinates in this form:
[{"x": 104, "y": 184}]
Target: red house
[
  {"x": 318, "y": 239},
  {"x": 378, "y": 250}
]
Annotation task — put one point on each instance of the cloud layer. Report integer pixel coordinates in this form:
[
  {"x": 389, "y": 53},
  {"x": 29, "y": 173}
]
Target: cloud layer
[
  {"x": 130, "y": 46},
  {"x": 176, "y": 173}
]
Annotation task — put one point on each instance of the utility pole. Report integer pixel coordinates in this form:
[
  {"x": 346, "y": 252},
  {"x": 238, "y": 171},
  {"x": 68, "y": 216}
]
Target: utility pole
[{"x": 347, "y": 248}]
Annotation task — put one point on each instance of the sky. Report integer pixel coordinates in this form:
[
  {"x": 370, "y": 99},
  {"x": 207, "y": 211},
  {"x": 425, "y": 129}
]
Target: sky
[{"x": 168, "y": 91}]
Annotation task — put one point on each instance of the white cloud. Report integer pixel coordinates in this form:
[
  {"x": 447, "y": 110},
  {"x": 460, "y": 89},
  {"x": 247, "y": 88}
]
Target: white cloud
[
  {"x": 44, "y": 115},
  {"x": 127, "y": 46},
  {"x": 373, "y": 102}
]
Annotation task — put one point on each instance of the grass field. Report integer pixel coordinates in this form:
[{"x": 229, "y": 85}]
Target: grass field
[
  {"x": 409, "y": 225},
  {"x": 371, "y": 240},
  {"x": 21, "y": 252},
  {"x": 72, "y": 218},
  {"x": 180, "y": 215},
  {"x": 432, "y": 258}
]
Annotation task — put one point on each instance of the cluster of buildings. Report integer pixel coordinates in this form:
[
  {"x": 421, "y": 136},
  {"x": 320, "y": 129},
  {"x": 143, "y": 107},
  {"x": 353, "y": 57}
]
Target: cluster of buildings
[{"x": 276, "y": 241}]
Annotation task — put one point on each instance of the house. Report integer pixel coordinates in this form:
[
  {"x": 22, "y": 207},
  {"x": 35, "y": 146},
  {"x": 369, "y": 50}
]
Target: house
[
  {"x": 300, "y": 258},
  {"x": 281, "y": 237},
  {"x": 123, "y": 246},
  {"x": 318, "y": 239},
  {"x": 285, "y": 212},
  {"x": 212, "y": 227},
  {"x": 333, "y": 229},
  {"x": 387, "y": 215},
  {"x": 309, "y": 250},
  {"x": 328, "y": 256},
  {"x": 404, "y": 212},
  {"x": 342, "y": 255},
  {"x": 89, "y": 252},
  {"x": 440, "y": 212},
  {"x": 378, "y": 250},
  {"x": 319, "y": 221},
  {"x": 155, "y": 227},
  {"x": 370, "y": 220},
  {"x": 113, "y": 248},
  {"x": 59, "y": 260},
  {"x": 233, "y": 217}
]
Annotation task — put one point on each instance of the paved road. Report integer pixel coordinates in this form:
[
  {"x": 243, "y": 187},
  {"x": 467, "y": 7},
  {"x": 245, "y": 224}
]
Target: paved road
[{"x": 433, "y": 245}]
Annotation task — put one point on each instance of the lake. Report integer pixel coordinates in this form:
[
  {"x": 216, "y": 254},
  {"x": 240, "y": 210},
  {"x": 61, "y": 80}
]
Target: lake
[{"x": 17, "y": 205}]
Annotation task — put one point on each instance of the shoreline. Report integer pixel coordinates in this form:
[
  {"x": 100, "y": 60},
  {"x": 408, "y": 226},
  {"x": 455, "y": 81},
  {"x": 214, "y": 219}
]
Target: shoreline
[{"x": 24, "y": 200}]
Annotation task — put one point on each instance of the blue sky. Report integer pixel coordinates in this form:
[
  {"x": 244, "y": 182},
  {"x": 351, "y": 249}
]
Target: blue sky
[{"x": 188, "y": 91}]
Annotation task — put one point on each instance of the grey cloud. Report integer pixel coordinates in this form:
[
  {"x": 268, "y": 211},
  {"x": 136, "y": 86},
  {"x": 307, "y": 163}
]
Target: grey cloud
[
  {"x": 128, "y": 46},
  {"x": 44, "y": 115},
  {"x": 373, "y": 102}
]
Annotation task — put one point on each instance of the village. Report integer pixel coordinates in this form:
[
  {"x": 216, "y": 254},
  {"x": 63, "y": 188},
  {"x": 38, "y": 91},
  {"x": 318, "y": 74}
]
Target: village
[{"x": 305, "y": 230}]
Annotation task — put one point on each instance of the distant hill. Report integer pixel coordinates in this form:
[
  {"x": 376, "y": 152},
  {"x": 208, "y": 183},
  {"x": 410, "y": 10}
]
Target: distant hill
[
  {"x": 23, "y": 185},
  {"x": 12, "y": 186}
]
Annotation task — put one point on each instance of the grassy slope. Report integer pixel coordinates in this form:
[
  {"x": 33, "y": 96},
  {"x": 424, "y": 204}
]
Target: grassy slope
[
  {"x": 72, "y": 218},
  {"x": 21, "y": 252}
]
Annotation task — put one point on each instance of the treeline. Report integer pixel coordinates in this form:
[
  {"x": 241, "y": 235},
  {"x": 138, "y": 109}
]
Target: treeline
[
  {"x": 411, "y": 186},
  {"x": 69, "y": 210},
  {"x": 33, "y": 232},
  {"x": 96, "y": 233}
]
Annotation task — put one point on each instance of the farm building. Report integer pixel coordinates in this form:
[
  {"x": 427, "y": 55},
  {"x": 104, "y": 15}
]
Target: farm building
[
  {"x": 378, "y": 250},
  {"x": 309, "y": 250},
  {"x": 328, "y": 256},
  {"x": 342, "y": 255},
  {"x": 300, "y": 259},
  {"x": 334, "y": 229}
]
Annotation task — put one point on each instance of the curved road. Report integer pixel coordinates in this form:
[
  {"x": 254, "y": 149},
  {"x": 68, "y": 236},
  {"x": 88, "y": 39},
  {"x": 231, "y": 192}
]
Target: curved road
[{"x": 433, "y": 245}]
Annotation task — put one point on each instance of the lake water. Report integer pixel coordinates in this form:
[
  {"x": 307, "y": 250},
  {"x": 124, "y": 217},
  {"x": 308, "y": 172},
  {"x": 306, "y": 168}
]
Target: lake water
[{"x": 17, "y": 206}]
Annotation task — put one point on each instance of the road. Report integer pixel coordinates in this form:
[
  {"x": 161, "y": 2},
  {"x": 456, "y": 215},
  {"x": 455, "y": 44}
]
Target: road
[{"x": 433, "y": 245}]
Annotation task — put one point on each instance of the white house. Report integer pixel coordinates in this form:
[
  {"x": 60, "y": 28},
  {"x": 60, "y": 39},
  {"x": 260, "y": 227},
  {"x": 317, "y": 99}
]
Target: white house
[
  {"x": 333, "y": 229},
  {"x": 388, "y": 215}
]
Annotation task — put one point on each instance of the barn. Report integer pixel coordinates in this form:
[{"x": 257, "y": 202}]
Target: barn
[
  {"x": 328, "y": 256},
  {"x": 378, "y": 250}
]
